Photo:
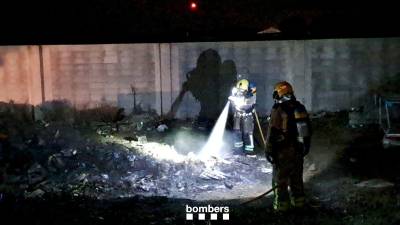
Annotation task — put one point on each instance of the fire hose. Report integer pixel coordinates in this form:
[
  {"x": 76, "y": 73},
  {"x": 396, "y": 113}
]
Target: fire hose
[
  {"x": 267, "y": 192},
  {"x": 276, "y": 185},
  {"x": 265, "y": 146},
  {"x": 260, "y": 196}
]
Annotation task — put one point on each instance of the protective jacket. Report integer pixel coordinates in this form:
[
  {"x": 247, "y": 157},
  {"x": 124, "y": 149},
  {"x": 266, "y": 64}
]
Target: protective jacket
[{"x": 243, "y": 104}]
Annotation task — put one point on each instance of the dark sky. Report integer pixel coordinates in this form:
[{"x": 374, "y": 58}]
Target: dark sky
[{"x": 121, "y": 21}]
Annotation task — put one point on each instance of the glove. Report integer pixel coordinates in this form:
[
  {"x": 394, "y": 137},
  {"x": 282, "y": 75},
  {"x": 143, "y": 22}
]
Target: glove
[
  {"x": 269, "y": 157},
  {"x": 231, "y": 98},
  {"x": 269, "y": 154},
  {"x": 305, "y": 147}
]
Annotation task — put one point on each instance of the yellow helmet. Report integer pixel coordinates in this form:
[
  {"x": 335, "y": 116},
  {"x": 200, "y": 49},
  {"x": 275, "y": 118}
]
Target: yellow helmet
[
  {"x": 242, "y": 85},
  {"x": 282, "y": 88}
]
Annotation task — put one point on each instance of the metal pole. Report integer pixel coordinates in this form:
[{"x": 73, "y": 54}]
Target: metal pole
[
  {"x": 387, "y": 115},
  {"x": 42, "y": 73}
]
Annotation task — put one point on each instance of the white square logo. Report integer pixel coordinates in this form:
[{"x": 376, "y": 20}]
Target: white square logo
[
  {"x": 189, "y": 216},
  {"x": 211, "y": 212},
  {"x": 202, "y": 216},
  {"x": 225, "y": 216}
]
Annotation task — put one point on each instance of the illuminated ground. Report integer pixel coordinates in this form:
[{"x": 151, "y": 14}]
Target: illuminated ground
[
  {"x": 84, "y": 163},
  {"x": 159, "y": 170}
]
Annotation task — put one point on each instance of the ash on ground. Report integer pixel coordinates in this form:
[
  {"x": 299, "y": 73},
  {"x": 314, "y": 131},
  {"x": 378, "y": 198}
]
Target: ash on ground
[{"x": 108, "y": 160}]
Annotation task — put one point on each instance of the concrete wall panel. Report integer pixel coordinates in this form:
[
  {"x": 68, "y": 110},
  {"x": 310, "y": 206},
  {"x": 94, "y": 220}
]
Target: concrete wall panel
[
  {"x": 20, "y": 74},
  {"x": 188, "y": 79}
]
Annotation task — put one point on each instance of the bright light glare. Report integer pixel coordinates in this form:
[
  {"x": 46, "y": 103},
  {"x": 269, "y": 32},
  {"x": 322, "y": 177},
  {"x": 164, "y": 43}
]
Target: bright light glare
[
  {"x": 239, "y": 102},
  {"x": 215, "y": 142},
  {"x": 163, "y": 152}
]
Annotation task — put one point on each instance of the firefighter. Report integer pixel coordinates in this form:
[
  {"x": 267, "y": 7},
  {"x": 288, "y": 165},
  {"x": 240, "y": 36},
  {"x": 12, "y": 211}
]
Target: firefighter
[
  {"x": 243, "y": 99},
  {"x": 288, "y": 141}
]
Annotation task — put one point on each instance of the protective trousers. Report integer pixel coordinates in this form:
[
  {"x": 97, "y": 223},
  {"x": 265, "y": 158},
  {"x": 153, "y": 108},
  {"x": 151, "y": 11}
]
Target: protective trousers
[
  {"x": 243, "y": 126},
  {"x": 288, "y": 172}
]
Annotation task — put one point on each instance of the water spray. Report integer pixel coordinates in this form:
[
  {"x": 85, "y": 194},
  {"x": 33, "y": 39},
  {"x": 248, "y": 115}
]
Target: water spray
[{"x": 215, "y": 142}]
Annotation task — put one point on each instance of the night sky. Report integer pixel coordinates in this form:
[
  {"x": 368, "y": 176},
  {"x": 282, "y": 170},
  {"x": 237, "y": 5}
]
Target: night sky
[{"x": 126, "y": 21}]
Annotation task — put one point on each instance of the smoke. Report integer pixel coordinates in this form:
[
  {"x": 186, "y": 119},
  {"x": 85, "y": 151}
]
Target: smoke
[
  {"x": 198, "y": 145},
  {"x": 215, "y": 143},
  {"x": 186, "y": 141}
]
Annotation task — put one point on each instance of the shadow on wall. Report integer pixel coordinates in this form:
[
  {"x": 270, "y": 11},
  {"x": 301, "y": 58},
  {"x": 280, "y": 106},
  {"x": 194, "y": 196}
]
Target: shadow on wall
[{"x": 210, "y": 83}]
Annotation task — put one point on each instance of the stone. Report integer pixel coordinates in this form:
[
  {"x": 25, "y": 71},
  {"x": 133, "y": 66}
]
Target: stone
[
  {"x": 36, "y": 174},
  {"x": 375, "y": 183},
  {"x": 69, "y": 152},
  {"x": 162, "y": 128},
  {"x": 35, "y": 194},
  {"x": 55, "y": 162},
  {"x": 228, "y": 184},
  {"x": 142, "y": 140},
  {"x": 266, "y": 170},
  {"x": 38, "y": 114}
]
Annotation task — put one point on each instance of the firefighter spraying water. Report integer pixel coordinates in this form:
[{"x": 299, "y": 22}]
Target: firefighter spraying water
[{"x": 243, "y": 99}]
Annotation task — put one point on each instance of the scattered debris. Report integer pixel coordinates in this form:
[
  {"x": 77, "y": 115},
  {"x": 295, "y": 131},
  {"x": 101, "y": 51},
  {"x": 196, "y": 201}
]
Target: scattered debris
[
  {"x": 181, "y": 186},
  {"x": 57, "y": 134},
  {"x": 312, "y": 167},
  {"x": 131, "y": 138},
  {"x": 41, "y": 142},
  {"x": 142, "y": 140},
  {"x": 36, "y": 174},
  {"x": 162, "y": 128},
  {"x": 139, "y": 126},
  {"x": 55, "y": 163},
  {"x": 212, "y": 174},
  {"x": 228, "y": 184},
  {"x": 266, "y": 170},
  {"x": 375, "y": 183},
  {"x": 69, "y": 152},
  {"x": 35, "y": 194},
  {"x": 102, "y": 162},
  {"x": 352, "y": 159},
  {"x": 38, "y": 114}
]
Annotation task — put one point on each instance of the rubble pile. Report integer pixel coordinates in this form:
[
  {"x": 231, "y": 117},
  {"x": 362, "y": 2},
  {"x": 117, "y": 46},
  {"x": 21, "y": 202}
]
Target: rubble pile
[{"x": 58, "y": 158}]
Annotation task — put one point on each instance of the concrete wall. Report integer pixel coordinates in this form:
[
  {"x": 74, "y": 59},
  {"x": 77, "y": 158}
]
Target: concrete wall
[
  {"x": 326, "y": 74},
  {"x": 20, "y": 74},
  {"x": 92, "y": 75},
  {"x": 344, "y": 70}
]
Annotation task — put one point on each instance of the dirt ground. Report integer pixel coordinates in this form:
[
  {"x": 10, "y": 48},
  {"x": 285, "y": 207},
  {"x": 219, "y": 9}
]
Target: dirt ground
[{"x": 354, "y": 181}]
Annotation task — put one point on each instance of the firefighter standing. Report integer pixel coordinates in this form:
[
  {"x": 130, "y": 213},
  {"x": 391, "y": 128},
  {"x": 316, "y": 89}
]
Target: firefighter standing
[
  {"x": 243, "y": 99},
  {"x": 288, "y": 141}
]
